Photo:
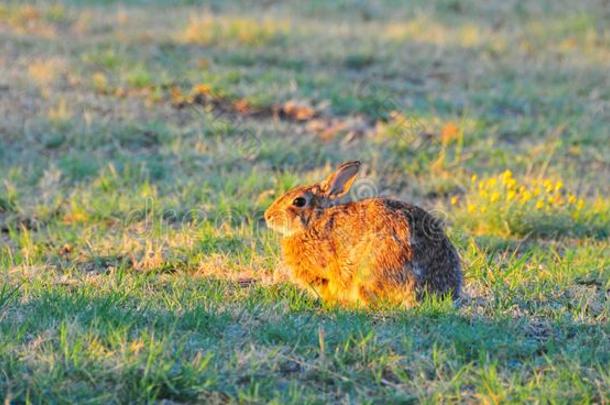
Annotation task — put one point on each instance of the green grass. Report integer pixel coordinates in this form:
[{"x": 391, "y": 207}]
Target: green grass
[{"x": 134, "y": 261}]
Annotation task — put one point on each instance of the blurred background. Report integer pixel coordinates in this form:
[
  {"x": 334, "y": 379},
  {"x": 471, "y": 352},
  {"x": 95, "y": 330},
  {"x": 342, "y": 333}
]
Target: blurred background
[{"x": 148, "y": 137}]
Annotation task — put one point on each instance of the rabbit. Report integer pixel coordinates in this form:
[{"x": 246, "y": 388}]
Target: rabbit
[{"x": 362, "y": 253}]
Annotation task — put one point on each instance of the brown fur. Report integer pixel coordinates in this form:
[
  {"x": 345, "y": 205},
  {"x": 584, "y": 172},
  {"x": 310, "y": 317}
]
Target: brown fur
[{"x": 364, "y": 252}]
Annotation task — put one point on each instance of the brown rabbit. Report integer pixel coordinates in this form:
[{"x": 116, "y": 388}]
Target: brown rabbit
[{"x": 364, "y": 252}]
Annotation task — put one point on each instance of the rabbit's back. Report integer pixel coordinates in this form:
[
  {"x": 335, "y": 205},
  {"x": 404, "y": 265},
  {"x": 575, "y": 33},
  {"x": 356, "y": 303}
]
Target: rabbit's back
[
  {"x": 434, "y": 261},
  {"x": 373, "y": 250}
]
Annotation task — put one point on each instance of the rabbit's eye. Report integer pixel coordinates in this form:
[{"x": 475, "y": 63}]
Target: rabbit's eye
[{"x": 299, "y": 202}]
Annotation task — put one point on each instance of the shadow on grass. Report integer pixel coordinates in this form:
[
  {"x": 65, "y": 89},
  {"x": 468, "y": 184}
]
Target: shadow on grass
[{"x": 154, "y": 339}]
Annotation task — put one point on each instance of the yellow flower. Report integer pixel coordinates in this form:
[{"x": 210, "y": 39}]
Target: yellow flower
[
  {"x": 555, "y": 200},
  {"x": 454, "y": 200},
  {"x": 526, "y": 196},
  {"x": 473, "y": 179},
  {"x": 471, "y": 208},
  {"x": 506, "y": 176},
  {"x": 558, "y": 185},
  {"x": 580, "y": 204},
  {"x": 571, "y": 198},
  {"x": 598, "y": 204},
  {"x": 511, "y": 195},
  {"x": 539, "y": 204},
  {"x": 495, "y": 196}
]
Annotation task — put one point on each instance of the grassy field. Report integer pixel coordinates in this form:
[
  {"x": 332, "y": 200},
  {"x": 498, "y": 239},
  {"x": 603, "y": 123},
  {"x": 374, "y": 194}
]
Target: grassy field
[{"x": 140, "y": 143}]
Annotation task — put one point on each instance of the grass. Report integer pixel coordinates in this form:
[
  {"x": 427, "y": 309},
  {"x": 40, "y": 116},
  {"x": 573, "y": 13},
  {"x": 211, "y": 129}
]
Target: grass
[
  {"x": 506, "y": 206},
  {"x": 141, "y": 143}
]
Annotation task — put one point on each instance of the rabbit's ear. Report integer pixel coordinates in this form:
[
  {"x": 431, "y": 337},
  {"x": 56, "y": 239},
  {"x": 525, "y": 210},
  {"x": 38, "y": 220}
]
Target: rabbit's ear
[{"x": 339, "y": 183}]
